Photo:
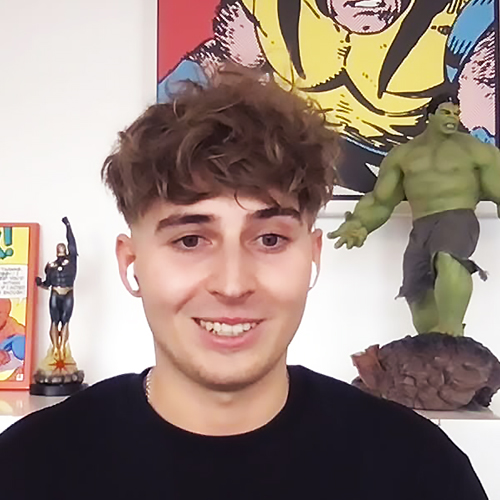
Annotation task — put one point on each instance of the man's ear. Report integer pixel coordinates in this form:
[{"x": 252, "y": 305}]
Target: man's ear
[
  {"x": 317, "y": 245},
  {"x": 126, "y": 256},
  {"x": 317, "y": 241}
]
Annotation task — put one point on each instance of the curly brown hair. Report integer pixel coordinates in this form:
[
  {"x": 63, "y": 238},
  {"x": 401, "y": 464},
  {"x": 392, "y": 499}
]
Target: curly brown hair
[{"x": 239, "y": 134}]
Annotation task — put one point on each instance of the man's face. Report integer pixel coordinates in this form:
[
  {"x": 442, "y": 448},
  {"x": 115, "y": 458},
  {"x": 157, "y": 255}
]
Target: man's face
[
  {"x": 366, "y": 16},
  {"x": 223, "y": 284},
  {"x": 446, "y": 118}
]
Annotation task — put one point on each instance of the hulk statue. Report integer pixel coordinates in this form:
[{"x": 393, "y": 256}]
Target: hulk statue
[{"x": 443, "y": 173}]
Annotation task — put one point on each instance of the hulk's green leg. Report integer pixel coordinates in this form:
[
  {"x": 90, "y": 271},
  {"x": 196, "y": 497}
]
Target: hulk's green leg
[
  {"x": 424, "y": 313},
  {"x": 452, "y": 291}
]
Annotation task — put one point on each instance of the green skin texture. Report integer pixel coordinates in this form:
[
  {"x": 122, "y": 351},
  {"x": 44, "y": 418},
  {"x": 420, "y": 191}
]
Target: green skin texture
[{"x": 440, "y": 169}]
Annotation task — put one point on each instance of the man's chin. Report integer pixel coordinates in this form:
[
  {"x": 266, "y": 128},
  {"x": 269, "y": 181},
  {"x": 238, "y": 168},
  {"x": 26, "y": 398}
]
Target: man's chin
[
  {"x": 226, "y": 386},
  {"x": 225, "y": 383},
  {"x": 229, "y": 381}
]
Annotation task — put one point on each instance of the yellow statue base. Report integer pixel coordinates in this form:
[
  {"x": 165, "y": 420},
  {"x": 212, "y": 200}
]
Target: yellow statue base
[{"x": 57, "y": 375}]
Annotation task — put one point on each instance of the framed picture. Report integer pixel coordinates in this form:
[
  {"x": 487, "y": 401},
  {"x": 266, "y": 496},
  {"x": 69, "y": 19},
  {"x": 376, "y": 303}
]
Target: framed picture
[
  {"x": 372, "y": 65},
  {"x": 19, "y": 246}
]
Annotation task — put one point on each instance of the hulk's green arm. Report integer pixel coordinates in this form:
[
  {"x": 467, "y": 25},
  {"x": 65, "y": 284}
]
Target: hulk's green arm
[
  {"x": 489, "y": 168},
  {"x": 375, "y": 208}
]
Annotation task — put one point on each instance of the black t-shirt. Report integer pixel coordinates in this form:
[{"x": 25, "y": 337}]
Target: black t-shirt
[{"x": 330, "y": 441}]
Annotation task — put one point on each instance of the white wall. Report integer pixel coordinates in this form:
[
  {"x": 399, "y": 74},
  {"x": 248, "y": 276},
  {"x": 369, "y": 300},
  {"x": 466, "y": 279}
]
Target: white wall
[{"x": 75, "y": 72}]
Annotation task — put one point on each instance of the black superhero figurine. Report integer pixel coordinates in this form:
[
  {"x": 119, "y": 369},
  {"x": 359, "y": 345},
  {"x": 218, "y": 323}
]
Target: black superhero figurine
[{"x": 59, "y": 278}]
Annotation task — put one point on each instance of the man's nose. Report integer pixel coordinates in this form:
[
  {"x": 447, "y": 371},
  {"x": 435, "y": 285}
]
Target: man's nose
[{"x": 233, "y": 275}]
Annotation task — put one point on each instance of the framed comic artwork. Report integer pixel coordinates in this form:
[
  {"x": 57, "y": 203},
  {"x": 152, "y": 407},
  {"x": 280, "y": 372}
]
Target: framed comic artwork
[
  {"x": 19, "y": 246},
  {"x": 372, "y": 65}
]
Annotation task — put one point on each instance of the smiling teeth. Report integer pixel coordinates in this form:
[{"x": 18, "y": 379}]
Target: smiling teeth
[
  {"x": 224, "y": 330},
  {"x": 368, "y": 3}
]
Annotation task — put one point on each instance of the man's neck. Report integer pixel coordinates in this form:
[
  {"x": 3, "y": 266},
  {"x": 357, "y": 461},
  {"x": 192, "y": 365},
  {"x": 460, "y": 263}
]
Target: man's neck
[{"x": 195, "y": 408}]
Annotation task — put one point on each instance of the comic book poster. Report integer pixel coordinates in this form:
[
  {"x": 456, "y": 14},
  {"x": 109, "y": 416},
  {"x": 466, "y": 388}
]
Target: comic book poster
[
  {"x": 372, "y": 65},
  {"x": 18, "y": 269}
]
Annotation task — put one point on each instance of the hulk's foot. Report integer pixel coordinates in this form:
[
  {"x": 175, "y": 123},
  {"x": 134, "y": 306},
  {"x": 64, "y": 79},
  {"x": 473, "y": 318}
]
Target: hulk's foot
[{"x": 457, "y": 331}]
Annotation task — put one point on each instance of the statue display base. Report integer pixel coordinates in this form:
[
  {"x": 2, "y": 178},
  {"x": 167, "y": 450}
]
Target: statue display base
[
  {"x": 431, "y": 371},
  {"x": 57, "y": 375},
  {"x": 56, "y": 389}
]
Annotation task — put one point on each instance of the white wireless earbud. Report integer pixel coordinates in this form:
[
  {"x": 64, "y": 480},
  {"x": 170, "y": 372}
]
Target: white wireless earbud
[{"x": 132, "y": 280}]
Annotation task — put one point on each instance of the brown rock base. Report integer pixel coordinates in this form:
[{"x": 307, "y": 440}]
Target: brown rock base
[{"x": 431, "y": 371}]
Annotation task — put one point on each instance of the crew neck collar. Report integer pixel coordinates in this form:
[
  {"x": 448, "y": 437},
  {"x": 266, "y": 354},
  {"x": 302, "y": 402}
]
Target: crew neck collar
[{"x": 282, "y": 420}]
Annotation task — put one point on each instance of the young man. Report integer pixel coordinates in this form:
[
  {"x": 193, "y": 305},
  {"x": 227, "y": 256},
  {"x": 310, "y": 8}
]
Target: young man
[{"x": 220, "y": 189}]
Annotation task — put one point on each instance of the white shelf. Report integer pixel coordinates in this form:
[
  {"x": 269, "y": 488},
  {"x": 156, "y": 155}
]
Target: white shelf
[
  {"x": 17, "y": 404},
  {"x": 437, "y": 416}
]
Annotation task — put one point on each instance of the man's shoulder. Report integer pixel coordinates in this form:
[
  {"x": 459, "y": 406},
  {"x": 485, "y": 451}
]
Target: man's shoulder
[
  {"x": 78, "y": 415},
  {"x": 381, "y": 436},
  {"x": 335, "y": 395},
  {"x": 351, "y": 408},
  {"x": 381, "y": 427}
]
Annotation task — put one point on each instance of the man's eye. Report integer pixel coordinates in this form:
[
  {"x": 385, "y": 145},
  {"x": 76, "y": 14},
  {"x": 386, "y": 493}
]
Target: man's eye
[
  {"x": 271, "y": 240},
  {"x": 190, "y": 241}
]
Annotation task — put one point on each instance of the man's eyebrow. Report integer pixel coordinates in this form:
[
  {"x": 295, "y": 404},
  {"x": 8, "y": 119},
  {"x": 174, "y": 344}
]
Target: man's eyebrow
[
  {"x": 176, "y": 220},
  {"x": 268, "y": 213}
]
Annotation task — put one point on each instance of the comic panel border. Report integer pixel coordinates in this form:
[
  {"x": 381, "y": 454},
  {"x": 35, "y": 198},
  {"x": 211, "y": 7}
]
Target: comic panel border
[{"x": 8, "y": 250}]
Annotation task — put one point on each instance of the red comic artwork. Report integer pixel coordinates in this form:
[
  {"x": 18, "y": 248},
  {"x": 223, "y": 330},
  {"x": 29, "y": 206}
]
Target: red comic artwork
[
  {"x": 373, "y": 66},
  {"x": 181, "y": 29},
  {"x": 18, "y": 267}
]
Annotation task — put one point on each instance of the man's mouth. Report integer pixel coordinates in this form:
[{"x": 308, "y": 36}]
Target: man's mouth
[
  {"x": 450, "y": 126},
  {"x": 222, "y": 329}
]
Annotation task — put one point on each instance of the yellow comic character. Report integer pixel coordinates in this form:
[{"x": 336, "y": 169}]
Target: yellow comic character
[{"x": 372, "y": 65}]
